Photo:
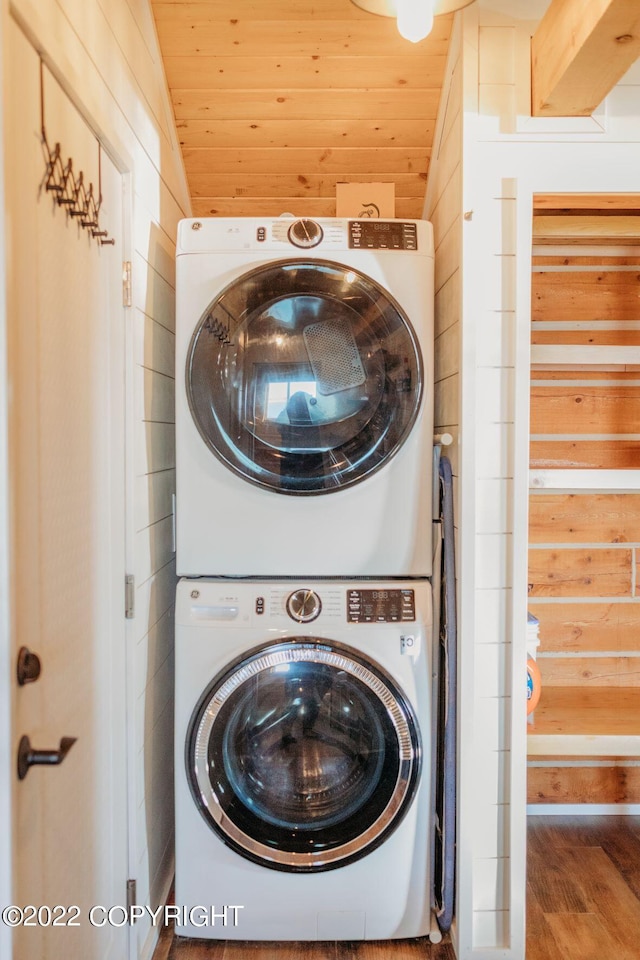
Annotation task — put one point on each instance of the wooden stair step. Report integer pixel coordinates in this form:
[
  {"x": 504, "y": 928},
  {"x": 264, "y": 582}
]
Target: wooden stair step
[{"x": 586, "y": 722}]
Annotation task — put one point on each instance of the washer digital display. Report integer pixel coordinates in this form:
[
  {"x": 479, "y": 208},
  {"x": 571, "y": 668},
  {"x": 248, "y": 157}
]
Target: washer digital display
[{"x": 381, "y": 606}]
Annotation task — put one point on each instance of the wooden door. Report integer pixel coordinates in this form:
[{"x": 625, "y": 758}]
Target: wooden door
[{"x": 66, "y": 449}]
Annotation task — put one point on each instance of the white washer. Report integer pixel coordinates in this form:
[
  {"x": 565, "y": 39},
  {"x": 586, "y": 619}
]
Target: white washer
[
  {"x": 304, "y": 397},
  {"x": 303, "y": 718}
]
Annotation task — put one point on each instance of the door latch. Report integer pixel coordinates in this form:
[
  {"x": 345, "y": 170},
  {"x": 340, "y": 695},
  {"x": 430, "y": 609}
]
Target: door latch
[{"x": 28, "y": 757}]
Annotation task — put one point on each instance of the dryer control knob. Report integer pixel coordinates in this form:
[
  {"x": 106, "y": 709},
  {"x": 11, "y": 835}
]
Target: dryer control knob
[
  {"x": 305, "y": 233},
  {"x": 304, "y": 606}
]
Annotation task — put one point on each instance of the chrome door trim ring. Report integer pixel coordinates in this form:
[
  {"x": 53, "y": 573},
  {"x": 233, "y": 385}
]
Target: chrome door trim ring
[
  {"x": 311, "y": 650},
  {"x": 316, "y": 486}
]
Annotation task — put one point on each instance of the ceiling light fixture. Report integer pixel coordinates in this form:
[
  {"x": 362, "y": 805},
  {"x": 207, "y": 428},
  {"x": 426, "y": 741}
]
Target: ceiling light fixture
[
  {"x": 415, "y": 20},
  {"x": 414, "y": 17}
]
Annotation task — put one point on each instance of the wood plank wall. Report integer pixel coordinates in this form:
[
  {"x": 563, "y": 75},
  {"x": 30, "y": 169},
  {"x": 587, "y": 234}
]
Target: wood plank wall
[
  {"x": 277, "y": 100},
  {"x": 585, "y": 546}
]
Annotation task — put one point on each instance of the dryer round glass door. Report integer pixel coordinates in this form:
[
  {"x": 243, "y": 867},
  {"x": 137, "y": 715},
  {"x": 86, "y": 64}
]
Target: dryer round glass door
[
  {"x": 304, "y": 376},
  {"x": 303, "y": 756}
]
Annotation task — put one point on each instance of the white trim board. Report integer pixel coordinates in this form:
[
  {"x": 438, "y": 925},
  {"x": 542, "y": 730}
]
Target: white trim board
[
  {"x": 149, "y": 947},
  {"x": 623, "y": 480},
  {"x": 582, "y": 745},
  {"x": 567, "y": 354}
]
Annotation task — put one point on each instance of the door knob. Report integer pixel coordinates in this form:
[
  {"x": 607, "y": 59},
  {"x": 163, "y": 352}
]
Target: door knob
[
  {"x": 28, "y": 666},
  {"x": 28, "y": 757}
]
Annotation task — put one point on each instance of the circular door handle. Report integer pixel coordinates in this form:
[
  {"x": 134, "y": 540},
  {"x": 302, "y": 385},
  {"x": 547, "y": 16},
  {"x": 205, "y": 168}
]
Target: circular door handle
[{"x": 28, "y": 757}]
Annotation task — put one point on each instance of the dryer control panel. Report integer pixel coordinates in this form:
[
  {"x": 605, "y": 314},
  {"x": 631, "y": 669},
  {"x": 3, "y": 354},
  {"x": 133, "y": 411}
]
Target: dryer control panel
[{"x": 382, "y": 235}]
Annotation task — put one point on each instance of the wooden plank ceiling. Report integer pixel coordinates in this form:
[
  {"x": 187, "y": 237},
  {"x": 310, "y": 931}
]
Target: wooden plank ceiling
[{"x": 277, "y": 100}]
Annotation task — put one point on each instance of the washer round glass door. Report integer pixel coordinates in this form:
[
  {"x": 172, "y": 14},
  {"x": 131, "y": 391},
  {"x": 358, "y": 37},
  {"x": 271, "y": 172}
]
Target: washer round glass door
[
  {"x": 304, "y": 376},
  {"x": 303, "y": 756}
]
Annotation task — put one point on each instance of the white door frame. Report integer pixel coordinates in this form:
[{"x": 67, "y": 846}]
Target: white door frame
[{"x": 129, "y": 548}]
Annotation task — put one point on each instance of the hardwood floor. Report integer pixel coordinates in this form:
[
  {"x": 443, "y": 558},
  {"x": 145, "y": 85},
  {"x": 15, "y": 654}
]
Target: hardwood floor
[
  {"x": 583, "y": 903},
  {"x": 583, "y": 888},
  {"x": 185, "y": 949}
]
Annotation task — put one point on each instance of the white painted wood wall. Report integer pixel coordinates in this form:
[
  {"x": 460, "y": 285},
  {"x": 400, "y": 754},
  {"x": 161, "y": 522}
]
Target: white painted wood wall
[
  {"x": 482, "y": 391},
  {"x": 105, "y": 55}
]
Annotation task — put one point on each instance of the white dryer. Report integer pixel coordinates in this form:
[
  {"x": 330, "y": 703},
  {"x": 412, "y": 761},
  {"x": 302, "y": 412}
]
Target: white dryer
[
  {"x": 302, "y": 739},
  {"x": 304, "y": 397}
]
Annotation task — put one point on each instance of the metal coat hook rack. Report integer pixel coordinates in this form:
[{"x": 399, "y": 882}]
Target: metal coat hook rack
[{"x": 69, "y": 188}]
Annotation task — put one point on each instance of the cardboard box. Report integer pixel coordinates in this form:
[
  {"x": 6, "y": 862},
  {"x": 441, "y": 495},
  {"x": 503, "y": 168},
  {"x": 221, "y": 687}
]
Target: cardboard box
[{"x": 361, "y": 200}]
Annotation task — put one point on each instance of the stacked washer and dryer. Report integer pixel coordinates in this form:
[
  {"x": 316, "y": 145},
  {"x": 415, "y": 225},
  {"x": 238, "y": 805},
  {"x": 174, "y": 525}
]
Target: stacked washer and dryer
[{"x": 304, "y": 430}]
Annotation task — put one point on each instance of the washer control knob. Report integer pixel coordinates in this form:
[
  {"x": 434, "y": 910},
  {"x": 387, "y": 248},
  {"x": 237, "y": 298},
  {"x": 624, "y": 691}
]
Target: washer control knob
[
  {"x": 304, "y": 605},
  {"x": 305, "y": 233}
]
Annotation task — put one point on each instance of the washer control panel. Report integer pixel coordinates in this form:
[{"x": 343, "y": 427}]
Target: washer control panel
[{"x": 318, "y": 605}]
